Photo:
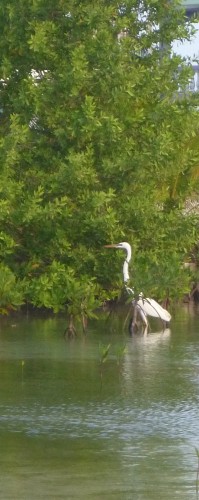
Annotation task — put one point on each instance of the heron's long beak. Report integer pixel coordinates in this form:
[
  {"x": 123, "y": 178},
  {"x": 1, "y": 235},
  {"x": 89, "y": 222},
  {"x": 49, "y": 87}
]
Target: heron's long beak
[{"x": 110, "y": 246}]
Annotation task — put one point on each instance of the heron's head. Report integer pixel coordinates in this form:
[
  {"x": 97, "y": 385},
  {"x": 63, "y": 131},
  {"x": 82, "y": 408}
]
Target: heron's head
[{"x": 123, "y": 246}]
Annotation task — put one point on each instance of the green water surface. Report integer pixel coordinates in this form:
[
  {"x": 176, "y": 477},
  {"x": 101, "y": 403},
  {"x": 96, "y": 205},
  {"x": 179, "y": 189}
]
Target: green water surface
[{"x": 73, "y": 428}]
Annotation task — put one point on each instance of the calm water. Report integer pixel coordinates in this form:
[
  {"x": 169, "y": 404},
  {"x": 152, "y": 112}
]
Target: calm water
[{"x": 72, "y": 429}]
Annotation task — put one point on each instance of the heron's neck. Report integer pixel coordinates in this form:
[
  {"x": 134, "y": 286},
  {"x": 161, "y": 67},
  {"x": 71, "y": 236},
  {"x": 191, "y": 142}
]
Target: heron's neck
[
  {"x": 126, "y": 271},
  {"x": 126, "y": 265}
]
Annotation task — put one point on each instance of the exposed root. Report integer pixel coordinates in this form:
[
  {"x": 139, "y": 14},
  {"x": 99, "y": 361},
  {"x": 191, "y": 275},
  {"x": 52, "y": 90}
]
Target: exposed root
[{"x": 70, "y": 329}]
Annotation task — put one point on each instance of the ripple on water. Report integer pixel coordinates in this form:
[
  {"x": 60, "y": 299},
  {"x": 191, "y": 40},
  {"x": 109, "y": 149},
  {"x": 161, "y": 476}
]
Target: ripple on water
[{"x": 104, "y": 420}]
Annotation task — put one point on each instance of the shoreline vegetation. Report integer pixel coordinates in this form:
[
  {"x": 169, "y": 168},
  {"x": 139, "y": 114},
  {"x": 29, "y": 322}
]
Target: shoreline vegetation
[{"x": 99, "y": 143}]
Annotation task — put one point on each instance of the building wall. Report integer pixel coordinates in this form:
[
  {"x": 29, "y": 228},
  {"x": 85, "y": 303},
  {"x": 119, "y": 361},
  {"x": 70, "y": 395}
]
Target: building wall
[{"x": 190, "y": 6}]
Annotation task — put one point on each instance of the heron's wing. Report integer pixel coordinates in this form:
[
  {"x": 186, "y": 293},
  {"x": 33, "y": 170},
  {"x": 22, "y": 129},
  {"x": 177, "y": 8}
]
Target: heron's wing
[{"x": 152, "y": 308}]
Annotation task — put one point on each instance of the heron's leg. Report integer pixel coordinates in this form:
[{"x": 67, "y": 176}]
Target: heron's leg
[
  {"x": 133, "y": 323},
  {"x": 142, "y": 315},
  {"x": 138, "y": 312},
  {"x": 145, "y": 331}
]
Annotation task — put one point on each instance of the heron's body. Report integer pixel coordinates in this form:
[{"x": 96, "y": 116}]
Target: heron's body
[
  {"x": 143, "y": 306},
  {"x": 152, "y": 308}
]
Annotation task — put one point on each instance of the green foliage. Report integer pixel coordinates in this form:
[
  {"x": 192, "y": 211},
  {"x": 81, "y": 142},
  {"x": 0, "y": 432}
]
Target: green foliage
[
  {"x": 11, "y": 291},
  {"x": 121, "y": 350},
  {"x": 104, "y": 352},
  {"x": 58, "y": 287},
  {"x": 95, "y": 147}
]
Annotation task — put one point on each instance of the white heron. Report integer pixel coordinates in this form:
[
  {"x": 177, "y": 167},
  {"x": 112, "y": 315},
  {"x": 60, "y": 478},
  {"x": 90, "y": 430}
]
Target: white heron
[{"x": 142, "y": 306}]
